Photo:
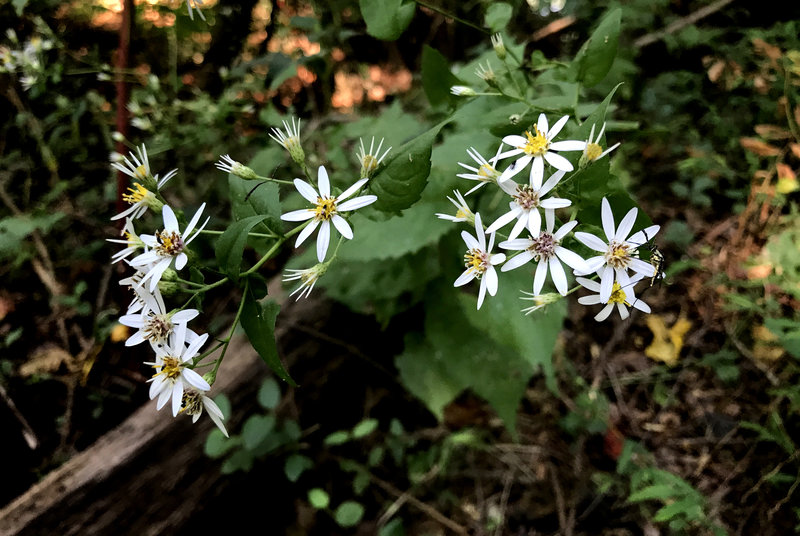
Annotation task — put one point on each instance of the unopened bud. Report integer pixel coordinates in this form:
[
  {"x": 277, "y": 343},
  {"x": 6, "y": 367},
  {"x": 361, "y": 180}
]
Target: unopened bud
[
  {"x": 499, "y": 47},
  {"x": 462, "y": 91}
]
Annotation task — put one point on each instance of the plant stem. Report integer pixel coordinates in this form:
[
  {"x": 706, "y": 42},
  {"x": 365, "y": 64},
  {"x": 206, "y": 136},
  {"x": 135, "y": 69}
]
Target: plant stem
[
  {"x": 270, "y": 179},
  {"x": 233, "y": 328},
  {"x": 451, "y": 16}
]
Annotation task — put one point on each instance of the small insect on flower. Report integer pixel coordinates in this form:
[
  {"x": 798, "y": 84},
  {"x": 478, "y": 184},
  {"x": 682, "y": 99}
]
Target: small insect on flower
[{"x": 656, "y": 259}]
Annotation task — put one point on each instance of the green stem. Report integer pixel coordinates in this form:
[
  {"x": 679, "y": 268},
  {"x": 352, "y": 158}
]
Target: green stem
[
  {"x": 270, "y": 179},
  {"x": 274, "y": 248},
  {"x": 205, "y": 354},
  {"x": 251, "y": 233},
  {"x": 203, "y": 289},
  {"x": 233, "y": 328},
  {"x": 451, "y": 16}
]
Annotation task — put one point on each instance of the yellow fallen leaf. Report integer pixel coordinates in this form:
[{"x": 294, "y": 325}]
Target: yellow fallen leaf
[
  {"x": 46, "y": 359},
  {"x": 667, "y": 342}
]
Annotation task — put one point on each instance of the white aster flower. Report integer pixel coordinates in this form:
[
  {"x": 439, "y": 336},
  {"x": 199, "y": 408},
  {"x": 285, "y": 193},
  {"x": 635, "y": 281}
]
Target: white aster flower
[
  {"x": 479, "y": 261},
  {"x": 619, "y": 253},
  {"x": 290, "y": 140},
  {"x": 138, "y": 168},
  {"x": 143, "y": 300},
  {"x": 132, "y": 241},
  {"x": 196, "y": 5},
  {"x": 463, "y": 213},
  {"x": 462, "y": 91},
  {"x": 484, "y": 173},
  {"x": 194, "y": 402},
  {"x": 370, "y": 160},
  {"x": 546, "y": 250},
  {"x": 156, "y": 325},
  {"x": 229, "y": 165},
  {"x": 538, "y": 146},
  {"x": 593, "y": 150},
  {"x": 527, "y": 200},
  {"x": 498, "y": 46},
  {"x": 622, "y": 296},
  {"x": 326, "y": 210},
  {"x": 173, "y": 375},
  {"x": 308, "y": 278},
  {"x": 167, "y": 245},
  {"x": 485, "y": 73}
]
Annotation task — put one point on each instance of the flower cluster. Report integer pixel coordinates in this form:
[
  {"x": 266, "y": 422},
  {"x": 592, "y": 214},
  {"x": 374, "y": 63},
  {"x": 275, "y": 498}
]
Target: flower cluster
[
  {"x": 153, "y": 256},
  {"x": 536, "y": 238},
  {"x": 25, "y": 58}
]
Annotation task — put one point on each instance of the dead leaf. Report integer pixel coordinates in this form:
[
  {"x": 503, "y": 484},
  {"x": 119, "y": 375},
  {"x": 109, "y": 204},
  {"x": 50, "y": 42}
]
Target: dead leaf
[
  {"x": 667, "y": 343},
  {"x": 119, "y": 333},
  {"x": 6, "y": 306},
  {"x": 787, "y": 179},
  {"x": 46, "y": 359},
  {"x": 765, "y": 49},
  {"x": 758, "y": 147},
  {"x": 795, "y": 148},
  {"x": 766, "y": 348},
  {"x": 715, "y": 71},
  {"x": 772, "y": 132},
  {"x": 759, "y": 272}
]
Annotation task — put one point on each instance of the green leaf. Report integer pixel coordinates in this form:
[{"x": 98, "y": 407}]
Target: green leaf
[
  {"x": 686, "y": 507},
  {"x": 269, "y": 394},
  {"x": 660, "y": 492},
  {"x": 386, "y": 19},
  {"x": 400, "y": 183},
  {"x": 360, "y": 482},
  {"x": 230, "y": 245},
  {"x": 241, "y": 460},
  {"x": 256, "y": 429},
  {"x": 393, "y": 528},
  {"x": 364, "y": 428},
  {"x": 258, "y": 322},
  {"x": 595, "y": 57},
  {"x": 436, "y": 77},
  {"x": 19, "y": 6},
  {"x": 318, "y": 498},
  {"x": 295, "y": 465},
  {"x": 349, "y": 514},
  {"x": 338, "y": 438},
  {"x": 217, "y": 445},
  {"x": 497, "y": 16}
]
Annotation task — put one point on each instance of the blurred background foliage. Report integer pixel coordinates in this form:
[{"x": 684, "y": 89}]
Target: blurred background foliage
[{"x": 685, "y": 424}]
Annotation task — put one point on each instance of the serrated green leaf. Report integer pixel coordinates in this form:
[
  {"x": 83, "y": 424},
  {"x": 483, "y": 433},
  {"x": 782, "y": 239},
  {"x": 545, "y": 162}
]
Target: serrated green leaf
[
  {"x": 348, "y": 514},
  {"x": 364, "y": 428},
  {"x": 258, "y": 322},
  {"x": 230, "y": 245},
  {"x": 436, "y": 77},
  {"x": 595, "y": 57},
  {"x": 497, "y": 16},
  {"x": 256, "y": 429},
  {"x": 269, "y": 394},
  {"x": 318, "y": 498},
  {"x": 400, "y": 183},
  {"x": 386, "y": 19},
  {"x": 295, "y": 465}
]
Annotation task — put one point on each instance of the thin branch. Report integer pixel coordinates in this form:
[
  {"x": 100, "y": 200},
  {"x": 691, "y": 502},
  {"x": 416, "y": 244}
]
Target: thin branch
[{"x": 681, "y": 23}]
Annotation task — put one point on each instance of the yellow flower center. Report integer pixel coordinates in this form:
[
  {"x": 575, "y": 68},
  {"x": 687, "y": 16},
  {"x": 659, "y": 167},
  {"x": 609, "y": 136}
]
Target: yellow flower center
[
  {"x": 526, "y": 197},
  {"x": 191, "y": 403},
  {"x": 593, "y": 151},
  {"x": 488, "y": 172},
  {"x": 537, "y": 144},
  {"x": 171, "y": 367},
  {"x": 157, "y": 328},
  {"x": 476, "y": 260},
  {"x": 461, "y": 213},
  {"x": 170, "y": 243},
  {"x": 618, "y": 295},
  {"x": 325, "y": 209},
  {"x": 137, "y": 194},
  {"x": 368, "y": 164},
  {"x": 618, "y": 255}
]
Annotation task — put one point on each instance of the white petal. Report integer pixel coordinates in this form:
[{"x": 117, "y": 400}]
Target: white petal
[
  {"x": 536, "y": 178},
  {"x": 522, "y": 222},
  {"x": 594, "y": 264},
  {"x": 534, "y": 222},
  {"x": 306, "y": 190},
  {"x": 170, "y": 221},
  {"x": 497, "y": 258},
  {"x": 608, "y": 220},
  {"x": 136, "y": 338},
  {"x": 181, "y": 260},
  {"x": 515, "y": 141},
  {"x": 553, "y": 132},
  {"x": 552, "y": 203},
  {"x": 479, "y": 233},
  {"x": 481, "y": 292},
  {"x": 306, "y": 232},
  {"x": 181, "y": 317},
  {"x": 565, "y": 229},
  {"x": 342, "y": 226},
  {"x": 356, "y": 203},
  {"x": 195, "y": 380},
  {"x": 517, "y": 244},
  {"x": 542, "y": 125},
  {"x": 602, "y": 315},
  {"x": 163, "y": 397},
  {"x": 537, "y": 168},
  {"x": 568, "y": 145},
  {"x": 470, "y": 241},
  {"x": 626, "y": 225},
  {"x": 642, "y": 267},
  {"x": 551, "y": 182},
  {"x": 623, "y": 311},
  {"x": 133, "y": 321},
  {"x": 639, "y": 304},
  {"x": 353, "y": 189},
  {"x": 515, "y": 167},
  {"x": 606, "y": 284},
  {"x": 558, "y": 275},
  {"x": 177, "y": 398},
  {"x": 644, "y": 236},
  {"x": 491, "y": 280},
  {"x": 517, "y": 261},
  {"x": 594, "y": 299},
  {"x": 298, "y": 215},
  {"x": 539, "y": 277},
  {"x": 591, "y": 241},
  {"x": 323, "y": 240},
  {"x": 194, "y": 220},
  {"x": 572, "y": 259},
  {"x": 323, "y": 182},
  {"x": 558, "y": 161},
  {"x": 589, "y": 284},
  {"x": 502, "y": 221},
  {"x": 464, "y": 278}
]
